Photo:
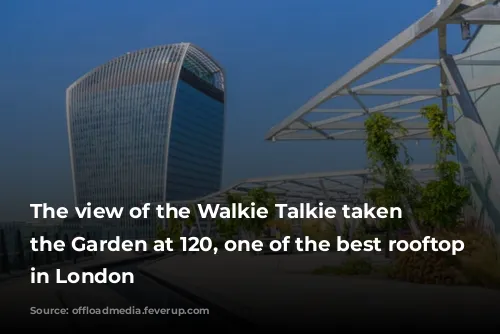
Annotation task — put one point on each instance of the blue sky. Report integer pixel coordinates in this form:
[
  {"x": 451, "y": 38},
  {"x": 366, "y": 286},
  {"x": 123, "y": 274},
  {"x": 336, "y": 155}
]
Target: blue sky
[{"x": 277, "y": 54}]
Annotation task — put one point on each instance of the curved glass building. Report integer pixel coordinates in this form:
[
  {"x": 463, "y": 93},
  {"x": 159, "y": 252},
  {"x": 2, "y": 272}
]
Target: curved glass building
[{"x": 147, "y": 127}]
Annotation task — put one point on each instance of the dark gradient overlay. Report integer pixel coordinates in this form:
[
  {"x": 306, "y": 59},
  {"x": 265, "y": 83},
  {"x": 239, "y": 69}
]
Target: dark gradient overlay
[
  {"x": 345, "y": 303},
  {"x": 387, "y": 309}
]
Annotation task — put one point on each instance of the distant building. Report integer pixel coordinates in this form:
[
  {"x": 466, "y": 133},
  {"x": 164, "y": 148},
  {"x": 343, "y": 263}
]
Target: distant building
[{"x": 147, "y": 127}]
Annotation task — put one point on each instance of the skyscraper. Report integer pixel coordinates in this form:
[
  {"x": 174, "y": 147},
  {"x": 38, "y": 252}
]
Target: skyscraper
[{"x": 147, "y": 127}]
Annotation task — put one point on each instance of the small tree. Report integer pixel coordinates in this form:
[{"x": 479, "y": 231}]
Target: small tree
[
  {"x": 389, "y": 160},
  {"x": 191, "y": 220},
  {"x": 161, "y": 233},
  {"x": 227, "y": 228},
  {"x": 262, "y": 199},
  {"x": 174, "y": 229},
  {"x": 386, "y": 197},
  {"x": 443, "y": 199}
]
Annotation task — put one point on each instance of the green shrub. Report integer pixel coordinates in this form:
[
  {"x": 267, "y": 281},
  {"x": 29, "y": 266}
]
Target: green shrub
[
  {"x": 477, "y": 265},
  {"x": 427, "y": 268}
]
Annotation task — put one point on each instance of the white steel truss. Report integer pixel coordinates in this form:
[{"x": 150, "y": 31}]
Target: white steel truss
[
  {"x": 331, "y": 188},
  {"x": 346, "y": 123}
]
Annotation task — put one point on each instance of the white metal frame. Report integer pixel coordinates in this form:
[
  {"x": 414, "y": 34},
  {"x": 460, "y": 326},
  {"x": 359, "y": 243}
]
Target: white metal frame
[
  {"x": 331, "y": 188},
  {"x": 342, "y": 127}
]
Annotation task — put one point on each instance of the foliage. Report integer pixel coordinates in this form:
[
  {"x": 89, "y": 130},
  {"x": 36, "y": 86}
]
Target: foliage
[
  {"x": 382, "y": 149},
  {"x": 443, "y": 199},
  {"x": 262, "y": 199},
  {"x": 389, "y": 160},
  {"x": 284, "y": 227},
  {"x": 227, "y": 228},
  {"x": 386, "y": 197},
  {"x": 191, "y": 219},
  {"x": 427, "y": 268},
  {"x": 360, "y": 231},
  {"x": 174, "y": 228},
  {"x": 161, "y": 233},
  {"x": 477, "y": 265},
  {"x": 441, "y": 131},
  {"x": 437, "y": 204},
  {"x": 316, "y": 230}
]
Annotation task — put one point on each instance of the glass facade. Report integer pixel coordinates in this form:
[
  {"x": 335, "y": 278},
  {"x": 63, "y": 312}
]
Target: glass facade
[
  {"x": 485, "y": 199},
  {"x": 147, "y": 127},
  {"x": 194, "y": 162}
]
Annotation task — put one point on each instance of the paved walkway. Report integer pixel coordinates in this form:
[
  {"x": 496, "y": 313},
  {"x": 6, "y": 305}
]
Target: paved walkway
[{"x": 266, "y": 289}]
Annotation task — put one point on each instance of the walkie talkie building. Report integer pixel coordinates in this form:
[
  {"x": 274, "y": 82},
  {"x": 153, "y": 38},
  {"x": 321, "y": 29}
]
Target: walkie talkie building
[{"x": 147, "y": 127}]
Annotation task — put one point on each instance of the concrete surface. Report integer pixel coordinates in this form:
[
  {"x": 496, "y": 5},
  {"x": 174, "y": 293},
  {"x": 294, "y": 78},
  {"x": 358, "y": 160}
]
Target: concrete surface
[{"x": 262, "y": 289}]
